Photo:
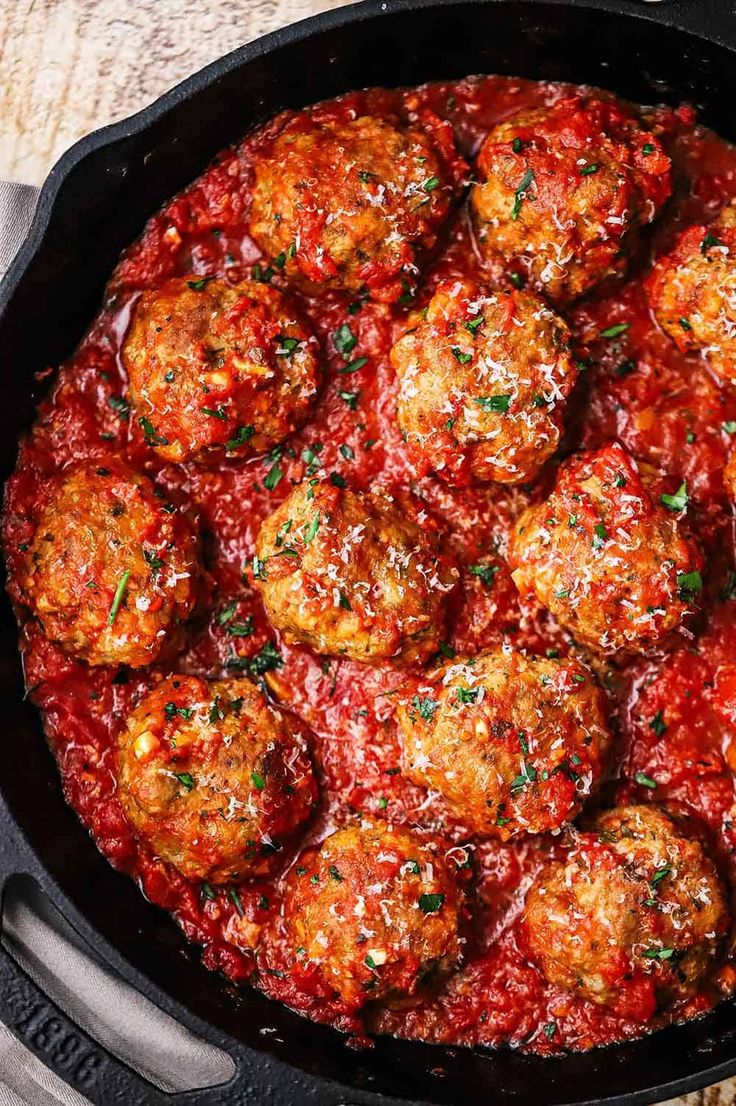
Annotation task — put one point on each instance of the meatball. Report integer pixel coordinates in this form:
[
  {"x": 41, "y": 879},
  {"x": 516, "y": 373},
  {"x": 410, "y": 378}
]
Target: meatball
[
  {"x": 219, "y": 370},
  {"x": 607, "y": 556},
  {"x": 514, "y": 744},
  {"x": 692, "y": 292},
  {"x": 563, "y": 190},
  {"x": 375, "y": 911},
  {"x": 483, "y": 380},
  {"x": 113, "y": 570},
  {"x": 634, "y": 915},
  {"x": 213, "y": 778},
  {"x": 354, "y": 574},
  {"x": 351, "y": 204}
]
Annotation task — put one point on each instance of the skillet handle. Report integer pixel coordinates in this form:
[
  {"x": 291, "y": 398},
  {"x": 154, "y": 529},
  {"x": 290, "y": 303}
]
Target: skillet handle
[
  {"x": 74, "y": 1018},
  {"x": 17, "y": 205}
]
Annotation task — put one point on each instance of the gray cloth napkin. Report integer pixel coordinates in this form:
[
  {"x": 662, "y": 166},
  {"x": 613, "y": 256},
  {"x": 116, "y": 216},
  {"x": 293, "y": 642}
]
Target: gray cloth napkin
[{"x": 50, "y": 951}]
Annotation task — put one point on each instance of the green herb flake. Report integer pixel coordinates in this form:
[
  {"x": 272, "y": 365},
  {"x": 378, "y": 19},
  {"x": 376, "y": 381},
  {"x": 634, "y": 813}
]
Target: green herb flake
[
  {"x": 310, "y": 530},
  {"x": 118, "y": 597},
  {"x": 499, "y": 404},
  {"x": 186, "y": 780},
  {"x": 587, "y": 170},
  {"x": 658, "y": 724},
  {"x": 344, "y": 340},
  {"x": 242, "y": 435},
  {"x": 273, "y": 477},
  {"x": 645, "y": 781},
  {"x": 615, "y": 331},
  {"x": 709, "y": 241},
  {"x": 678, "y": 501},
  {"x": 353, "y": 366},
  {"x": 461, "y": 356},
  {"x": 215, "y": 413},
  {"x": 467, "y": 694},
  {"x": 430, "y": 903},
  {"x": 198, "y": 285},
  {"x": 430, "y": 184},
  {"x": 520, "y": 193},
  {"x": 258, "y": 781},
  {"x": 150, "y": 433},
  {"x": 425, "y": 707},
  {"x": 485, "y": 572},
  {"x": 689, "y": 584}
]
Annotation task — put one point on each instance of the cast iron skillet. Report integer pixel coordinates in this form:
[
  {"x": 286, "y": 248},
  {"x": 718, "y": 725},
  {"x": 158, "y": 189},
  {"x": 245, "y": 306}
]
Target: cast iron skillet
[{"x": 94, "y": 203}]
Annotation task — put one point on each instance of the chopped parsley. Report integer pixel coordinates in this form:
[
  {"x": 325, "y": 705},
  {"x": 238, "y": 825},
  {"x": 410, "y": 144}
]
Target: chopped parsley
[
  {"x": 645, "y": 781},
  {"x": 615, "y": 331},
  {"x": 467, "y": 694},
  {"x": 353, "y": 366},
  {"x": 186, "y": 780},
  {"x": 430, "y": 904},
  {"x": 425, "y": 708},
  {"x": 587, "y": 170},
  {"x": 273, "y": 476},
  {"x": 460, "y": 356},
  {"x": 689, "y": 584},
  {"x": 344, "y": 340},
  {"x": 494, "y": 403},
  {"x": 658, "y": 724},
  {"x": 708, "y": 242},
  {"x": 678, "y": 501},
  {"x": 242, "y": 435},
  {"x": 258, "y": 781},
  {"x": 150, "y": 433},
  {"x": 310, "y": 530},
  {"x": 118, "y": 597},
  {"x": 486, "y": 573},
  {"x": 520, "y": 193}
]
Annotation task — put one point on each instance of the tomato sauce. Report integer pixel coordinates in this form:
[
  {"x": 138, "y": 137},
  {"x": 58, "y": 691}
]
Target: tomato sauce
[{"x": 674, "y": 713}]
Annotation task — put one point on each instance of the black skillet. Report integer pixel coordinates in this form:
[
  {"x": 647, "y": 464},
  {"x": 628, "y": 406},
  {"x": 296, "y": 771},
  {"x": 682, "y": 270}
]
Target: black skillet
[{"x": 94, "y": 203}]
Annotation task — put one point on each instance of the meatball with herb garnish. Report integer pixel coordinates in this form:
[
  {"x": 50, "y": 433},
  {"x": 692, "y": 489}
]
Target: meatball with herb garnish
[
  {"x": 607, "y": 555},
  {"x": 219, "y": 370},
  {"x": 483, "y": 379},
  {"x": 633, "y": 917},
  {"x": 354, "y": 574},
  {"x": 213, "y": 778},
  {"x": 113, "y": 569},
  {"x": 373, "y": 912},
  {"x": 692, "y": 292},
  {"x": 514, "y": 744},
  {"x": 562, "y": 191},
  {"x": 352, "y": 204}
]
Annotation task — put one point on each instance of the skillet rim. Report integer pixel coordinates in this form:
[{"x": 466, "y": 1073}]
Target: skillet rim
[{"x": 701, "y": 24}]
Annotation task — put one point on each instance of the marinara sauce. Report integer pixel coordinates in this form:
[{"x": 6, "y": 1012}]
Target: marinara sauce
[{"x": 673, "y": 712}]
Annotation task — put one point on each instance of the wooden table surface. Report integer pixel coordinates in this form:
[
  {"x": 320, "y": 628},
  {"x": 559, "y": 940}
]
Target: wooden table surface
[{"x": 69, "y": 66}]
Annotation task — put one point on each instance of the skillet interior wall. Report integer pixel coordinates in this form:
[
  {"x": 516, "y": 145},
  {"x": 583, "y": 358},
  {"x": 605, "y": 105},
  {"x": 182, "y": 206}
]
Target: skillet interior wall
[{"x": 101, "y": 206}]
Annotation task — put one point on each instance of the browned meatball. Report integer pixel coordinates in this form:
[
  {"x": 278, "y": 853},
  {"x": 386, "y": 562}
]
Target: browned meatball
[
  {"x": 633, "y": 917},
  {"x": 213, "y": 778},
  {"x": 563, "y": 189},
  {"x": 355, "y": 575},
  {"x": 113, "y": 568},
  {"x": 219, "y": 370},
  {"x": 514, "y": 744},
  {"x": 351, "y": 204},
  {"x": 375, "y": 911},
  {"x": 483, "y": 380},
  {"x": 607, "y": 555},
  {"x": 693, "y": 293}
]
